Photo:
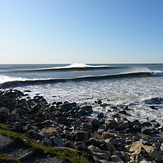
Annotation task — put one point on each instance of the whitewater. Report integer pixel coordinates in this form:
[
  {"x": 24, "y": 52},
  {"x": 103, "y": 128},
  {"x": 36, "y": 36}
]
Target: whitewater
[{"x": 138, "y": 86}]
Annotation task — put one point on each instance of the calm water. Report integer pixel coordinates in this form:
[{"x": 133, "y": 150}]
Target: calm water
[{"x": 135, "y": 85}]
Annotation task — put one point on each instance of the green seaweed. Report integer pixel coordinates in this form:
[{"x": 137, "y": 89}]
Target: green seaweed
[
  {"x": 22, "y": 139},
  {"x": 5, "y": 159}
]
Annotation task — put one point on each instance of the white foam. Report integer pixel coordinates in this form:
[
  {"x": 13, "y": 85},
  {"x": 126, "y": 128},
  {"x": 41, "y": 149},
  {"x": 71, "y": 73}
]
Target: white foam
[
  {"x": 135, "y": 69},
  {"x": 74, "y": 65},
  {"x": 83, "y": 65},
  {"x": 4, "y": 79},
  {"x": 157, "y": 73}
]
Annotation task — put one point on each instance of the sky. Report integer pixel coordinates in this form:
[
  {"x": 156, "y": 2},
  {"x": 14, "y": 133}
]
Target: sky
[{"x": 81, "y": 31}]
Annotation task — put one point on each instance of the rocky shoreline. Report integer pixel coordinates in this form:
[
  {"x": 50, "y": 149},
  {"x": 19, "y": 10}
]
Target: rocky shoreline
[{"x": 70, "y": 126}]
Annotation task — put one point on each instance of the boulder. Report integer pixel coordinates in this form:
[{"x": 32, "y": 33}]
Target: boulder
[
  {"x": 147, "y": 131},
  {"x": 116, "y": 158},
  {"x": 96, "y": 124},
  {"x": 4, "y": 114},
  {"x": 100, "y": 115},
  {"x": 93, "y": 141},
  {"x": 108, "y": 147},
  {"x": 108, "y": 134},
  {"x": 111, "y": 124},
  {"x": 70, "y": 145},
  {"x": 123, "y": 125},
  {"x": 13, "y": 117},
  {"x": 82, "y": 136},
  {"x": 67, "y": 106},
  {"x": 83, "y": 148},
  {"x": 86, "y": 126},
  {"x": 18, "y": 127},
  {"x": 135, "y": 122},
  {"x": 139, "y": 151},
  {"x": 161, "y": 147},
  {"x": 100, "y": 154},
  {"x": 123, "y": 112},
  {"x": 87, "y": 109},
  {"x": 147, "y": 124},
  {"x": 55, "y": 141}
]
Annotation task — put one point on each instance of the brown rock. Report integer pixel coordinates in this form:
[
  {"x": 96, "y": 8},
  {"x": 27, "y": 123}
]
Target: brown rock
[
  {"x": 110, "y": 124},
  {"x": 82, "y": 136},
  {"x": 140, "y": 151}
]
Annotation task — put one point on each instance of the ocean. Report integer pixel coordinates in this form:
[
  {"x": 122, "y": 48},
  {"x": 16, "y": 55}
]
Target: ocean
[{"x": 138, "y": 86}]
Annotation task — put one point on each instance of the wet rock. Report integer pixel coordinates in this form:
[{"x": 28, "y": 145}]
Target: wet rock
[
  {"x": 156, "y": 100},
  {"x": 152, "y": 107},
  {"x": 123, "y": 112},
  {"x": 135, "y": 122},
  {"x": 98, "y": 101},
  {"x": 67, "y": 106},
  {"x": 155, "y": 124},
  {"x": 100, "y": 115},
  {"x": 87, "y": 109}
]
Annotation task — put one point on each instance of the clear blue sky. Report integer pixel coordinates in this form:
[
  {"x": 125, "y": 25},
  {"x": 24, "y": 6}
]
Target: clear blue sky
[{"x": 81, "y": 31}]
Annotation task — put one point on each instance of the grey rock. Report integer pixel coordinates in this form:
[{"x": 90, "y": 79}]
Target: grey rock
[
  {"x": 96, "y": 124},
  {"x": 56, "y": 141},
  {"x": 4, "y": 113}
]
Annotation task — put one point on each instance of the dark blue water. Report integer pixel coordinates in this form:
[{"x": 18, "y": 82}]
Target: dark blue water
[{"x": 135, "y": 85}]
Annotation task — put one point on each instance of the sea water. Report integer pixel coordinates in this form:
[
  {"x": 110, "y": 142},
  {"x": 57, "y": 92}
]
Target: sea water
[{"x": 137, "y": 86}]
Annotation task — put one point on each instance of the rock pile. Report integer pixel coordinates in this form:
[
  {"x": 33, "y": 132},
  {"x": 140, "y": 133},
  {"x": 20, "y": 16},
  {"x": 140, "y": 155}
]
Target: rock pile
[{"x": 67, "y": 125}]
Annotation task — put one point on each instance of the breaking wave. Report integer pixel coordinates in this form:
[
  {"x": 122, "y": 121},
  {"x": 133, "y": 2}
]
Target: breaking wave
[
  {"x": 15, "y": 81},
  {"x": 72, "y": 67}
]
